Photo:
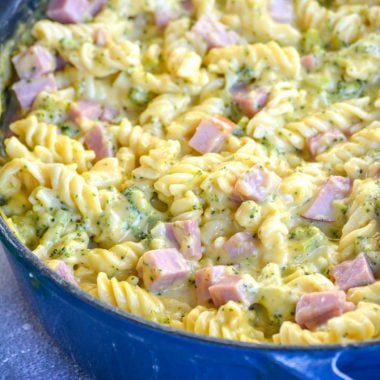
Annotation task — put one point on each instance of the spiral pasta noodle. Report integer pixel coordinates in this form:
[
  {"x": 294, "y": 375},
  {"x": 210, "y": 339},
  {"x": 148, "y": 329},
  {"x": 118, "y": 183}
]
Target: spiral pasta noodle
[
  {"x": 259, "y": 56},
  {"x": 345, "y": 27},
  {"x": 228, "y": 322},
  {"x": 130, "y": 298},
  {"x": 117, "y": 260},
  {"x": 62, "y": 149},
  {"x": 257, "y": 12},
  {"x": 360, "y": 221}
]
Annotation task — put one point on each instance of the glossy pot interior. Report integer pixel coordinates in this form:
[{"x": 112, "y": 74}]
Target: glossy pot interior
[{"x": 113, "y": 345}]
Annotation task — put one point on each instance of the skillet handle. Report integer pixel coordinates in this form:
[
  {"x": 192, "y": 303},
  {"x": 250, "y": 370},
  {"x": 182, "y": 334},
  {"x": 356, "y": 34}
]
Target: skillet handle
[{"x": 349, "y": 363}]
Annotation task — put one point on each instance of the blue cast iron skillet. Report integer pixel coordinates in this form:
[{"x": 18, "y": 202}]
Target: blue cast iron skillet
[{"x": 111, "y": 344}]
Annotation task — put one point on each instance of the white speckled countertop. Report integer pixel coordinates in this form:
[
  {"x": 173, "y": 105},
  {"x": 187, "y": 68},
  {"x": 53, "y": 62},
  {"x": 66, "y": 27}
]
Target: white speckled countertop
[{"x": 26, "y": 351}]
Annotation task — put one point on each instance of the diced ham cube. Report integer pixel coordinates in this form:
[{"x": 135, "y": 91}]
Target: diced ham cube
[
  {"x": 249, "y": 100},
  {"x": 353, "y": 273},
  {"x": 323, "y": 141},
  {"x": 242, "y": 244},
  {"x": 188, "y": 236},
  {"x": 109, "y": 113},
  {"x": 95, "y": 6},
  {"x": 256, "y": 184},
  {"x": 26, "y": 90},
  {"x": 281, "y": 11},
  {"x": 230, "y": 288},
  {"x": 161, "y": 268},
  {"x": 315, "y": 309},
  {"x": 85, "y": 109},
  {"x": 188, "y": 6},
  {"x": 211, "y": 134},
  {"x": 34, "y": 62},
  {"x": 308, "y": 62},
  {"x": 165, "y": 231},
  {"x": 206, "y": 277},
  {"x": 68, "y": 11},
  {"x": 163, "y": 16},
  {"x": 214, "y": 32},
  {"x": 183, "y": 235},
  {"x": 62, "y": 270},
  {"x": 97, "y": 141},
  {"x": 321, "y": 207}
]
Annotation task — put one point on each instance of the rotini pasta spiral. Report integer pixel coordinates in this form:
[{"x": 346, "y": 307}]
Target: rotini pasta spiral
[
  {"x": 369, "y": 293},
  {"x": 284, "y": 61},
  {"x": 130, "y": 298},
  {"x": 341, "y": 116},
  {"x": 228, "y": 322},
  {"x": 360, "y": 324},
  {"x": 291, "y": 333},
  {"x": 362, "y": 143},
  {"x": 118, "y": 261},
  {"x": 71, "y": 188},
  {"x": 257, "y": 13},
  {"x": 360, "y": 222},
  {"x": 337, "y": 27},
  {"x": 62, "y": 149}
]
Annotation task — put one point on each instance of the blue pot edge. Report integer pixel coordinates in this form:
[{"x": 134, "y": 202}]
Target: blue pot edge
[{"x": 8, "y": 238}]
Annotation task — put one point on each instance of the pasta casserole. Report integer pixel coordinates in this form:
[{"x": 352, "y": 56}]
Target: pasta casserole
[{"x": 212, "y": 165}]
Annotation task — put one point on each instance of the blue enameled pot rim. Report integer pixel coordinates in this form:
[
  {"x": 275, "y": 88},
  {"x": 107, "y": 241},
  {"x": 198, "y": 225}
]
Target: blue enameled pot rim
[{"x": 7, "y": 236}]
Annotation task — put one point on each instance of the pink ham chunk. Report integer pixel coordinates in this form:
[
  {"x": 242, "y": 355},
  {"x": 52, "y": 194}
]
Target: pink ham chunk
[
  {"x": 353, "y": 273},
  {"x": 282, "y": 11},
  {"x": 315, "y": 309},
  {"x": 163, "y": 16},
  {"x": 161, "y": 268},
  {"x": 26, "y": 90},
  {"x": 211, "y": 134},
  {"x": 249, "y": 100},
  {"x": 242, "y": 244},
  {"x": 68, "y": 11},
  {"x": 85, "y": 109},
  {"x": 97, "y": 141},
  {"x": 62, "y": 270},
  {"x": 95, "y": 6},
  {"x": 308, "y": 62},
  {"x": 206, "y": 277},
  {"x": 230, "y": 288},
  {"x": 183, "y": 235},
  {"x": 321, "y": 207},
  {"x": 323, "y": 141},
  {"x": 188, "y": 236},
  {"x": 214, "y": 32},
  {"x": 256, "y": 184},
  {"x": 34, "y": 62},
  {"x": 188, "y": 6}
]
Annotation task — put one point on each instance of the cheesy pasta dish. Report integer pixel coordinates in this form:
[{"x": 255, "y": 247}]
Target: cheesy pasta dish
[{"x": 211, "y": 165}]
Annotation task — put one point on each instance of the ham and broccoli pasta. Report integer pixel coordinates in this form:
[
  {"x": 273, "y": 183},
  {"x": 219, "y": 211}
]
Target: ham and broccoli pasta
[{"x": 210, "y": 165}]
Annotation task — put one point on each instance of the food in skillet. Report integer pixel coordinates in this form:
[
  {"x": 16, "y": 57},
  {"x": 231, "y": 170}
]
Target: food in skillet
[{"x": 210, "y": 165}]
